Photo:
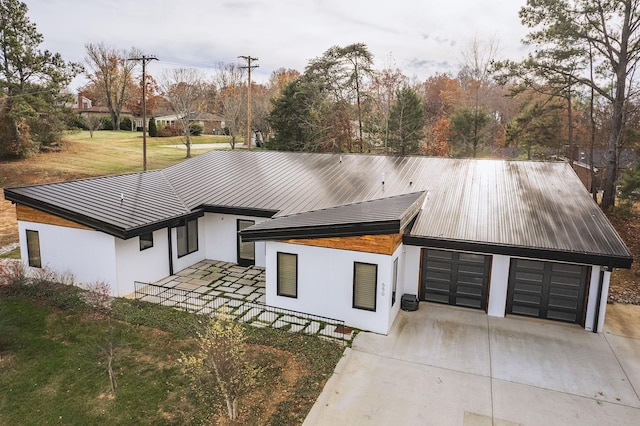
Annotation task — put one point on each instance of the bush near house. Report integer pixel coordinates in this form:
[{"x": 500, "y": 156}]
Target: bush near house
[{"x": 196, "y": 129}]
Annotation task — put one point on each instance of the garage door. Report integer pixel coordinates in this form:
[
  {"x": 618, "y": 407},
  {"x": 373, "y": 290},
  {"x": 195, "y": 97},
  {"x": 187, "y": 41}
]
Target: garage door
[
  {"x": 547, "y": 290},
  {"x": 455, "y": 278}
]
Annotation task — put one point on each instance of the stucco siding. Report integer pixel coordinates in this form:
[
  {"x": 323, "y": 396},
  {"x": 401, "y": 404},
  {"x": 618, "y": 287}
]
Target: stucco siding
[
  {"x": 89, "y": 255},
  {"x": 222, "y": 238},
  {"x": 325, "y": 284},
  {"x": 133, "y": 264}
]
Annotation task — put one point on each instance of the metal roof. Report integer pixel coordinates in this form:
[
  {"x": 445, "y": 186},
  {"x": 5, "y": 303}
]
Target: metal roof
[
  {"x": 538, "y": 208},
  {"x": 384, "y": 216}
]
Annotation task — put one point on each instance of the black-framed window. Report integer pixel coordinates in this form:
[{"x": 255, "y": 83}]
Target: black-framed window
[
  {"x": 287, "y": 274},
  {"x": 146, "y": 241},
  {"x": 187, "y": 237},
  {"x": 395, "y": 281},
  {"x": 33, "y": 249},
  {"x": 365, "y": 282},
  {"x": 246, "y": 249}
]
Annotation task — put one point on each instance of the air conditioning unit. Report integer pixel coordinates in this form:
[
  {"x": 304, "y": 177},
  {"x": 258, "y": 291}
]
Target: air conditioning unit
[{"x": 409, "y": 302}]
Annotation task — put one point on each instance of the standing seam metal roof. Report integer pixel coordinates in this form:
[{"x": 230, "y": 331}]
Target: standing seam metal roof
[{"x": 497, "y": 203}]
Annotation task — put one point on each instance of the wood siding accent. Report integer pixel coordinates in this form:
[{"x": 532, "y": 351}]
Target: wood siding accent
[
  {"x": 379, "y": 244},
  {"x": 29, "y": 214}
]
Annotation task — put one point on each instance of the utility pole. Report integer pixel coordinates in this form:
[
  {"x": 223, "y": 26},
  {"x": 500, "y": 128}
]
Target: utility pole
[
  {"x": 145, "y": 60},
  {"x": 248, "y": 67}
]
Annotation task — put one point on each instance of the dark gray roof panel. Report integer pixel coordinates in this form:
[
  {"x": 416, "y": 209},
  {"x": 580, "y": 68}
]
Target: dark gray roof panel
[
  {"x": 121, "y": 202},
  {"x": 526, "y": 204},
  {"x": 494, "y": 203},
  {"x": 387, "y": 215}
]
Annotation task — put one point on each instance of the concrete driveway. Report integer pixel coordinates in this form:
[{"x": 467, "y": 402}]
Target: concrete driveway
[{"x": 449, "y": 366}]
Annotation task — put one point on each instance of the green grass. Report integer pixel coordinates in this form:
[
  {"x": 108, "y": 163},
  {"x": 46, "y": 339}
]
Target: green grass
[
  {"x": 53, "y": 371},
  {"x": 13, "y": 254}
]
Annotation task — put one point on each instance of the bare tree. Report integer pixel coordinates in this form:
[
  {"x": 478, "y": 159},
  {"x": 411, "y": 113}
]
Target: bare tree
[
  {"x": 184, "y": 91},
  {"x": 93, "y": 123},
  {"x": 230, "y": 99},
  {"x": 111, "y": 71}
]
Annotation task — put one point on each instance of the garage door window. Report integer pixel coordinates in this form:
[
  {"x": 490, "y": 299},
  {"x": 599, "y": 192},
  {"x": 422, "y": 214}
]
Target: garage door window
[
  {"x": 547, "y": 290},
  {"x": 365, "y": 277}
]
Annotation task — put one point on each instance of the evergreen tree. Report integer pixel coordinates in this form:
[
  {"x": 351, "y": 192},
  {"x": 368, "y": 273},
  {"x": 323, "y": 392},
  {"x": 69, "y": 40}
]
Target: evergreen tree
[
  {"x": 32, "y": 83},
  {"x": 153, "y": 128},
  {"x": 406, "y": 123}
]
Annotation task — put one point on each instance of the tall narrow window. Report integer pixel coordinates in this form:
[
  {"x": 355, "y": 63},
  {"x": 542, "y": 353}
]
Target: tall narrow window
[
  {"x": 365, "y": 278},
  {"x": 246, "y": 249},
  {"x": 287, "y": 274},
  {"x": 187, "y": 237},
  {"x": 146, "y": 241},
  {"x": 33, "y": 249}
]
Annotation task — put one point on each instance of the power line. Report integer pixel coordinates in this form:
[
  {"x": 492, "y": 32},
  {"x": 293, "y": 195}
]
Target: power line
[
  {"x": 248, "y": 67},
  {"x": 145, "y": 60}
]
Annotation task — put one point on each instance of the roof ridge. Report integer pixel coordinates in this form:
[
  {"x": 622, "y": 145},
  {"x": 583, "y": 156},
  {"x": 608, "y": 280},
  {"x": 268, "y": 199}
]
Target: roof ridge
[{"x": 173, "y": 189}]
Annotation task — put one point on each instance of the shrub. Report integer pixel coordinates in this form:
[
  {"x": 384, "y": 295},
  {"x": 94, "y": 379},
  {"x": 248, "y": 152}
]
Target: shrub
[
  {"x": 126, "y": 123},
  {"x": 153, "y": 128},
  {"x": 105, "y": 123},
  {"x": 169, "y": 131},
  {"x": 196, "y": 129}
]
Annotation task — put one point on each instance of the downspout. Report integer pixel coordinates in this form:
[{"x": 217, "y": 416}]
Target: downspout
[
  {"x": 596, "y": 317},
  {"x": 170, "y": 251}
]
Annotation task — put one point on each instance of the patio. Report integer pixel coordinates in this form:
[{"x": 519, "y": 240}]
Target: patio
[{"x": 211, "y": 287}]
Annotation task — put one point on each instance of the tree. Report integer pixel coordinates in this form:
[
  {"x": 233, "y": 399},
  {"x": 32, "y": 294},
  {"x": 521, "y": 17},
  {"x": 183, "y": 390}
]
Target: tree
[
  {"x": 31, "y": 85},
  {"x": 384, "y": 86},
  {"x": 604, "y": 33},
  {"x": 153, "y": 127},
  {"x": 341, "y": 72},
  {"x": 406, "y": 122},
  {"x": 112, "y": 73},
  {"x": 297, "y": 118},
  {"x": 93, "y": 123},
  {"x": 230, "y": 101},
  {"x": 466, "y": 124},
  {"x": 220, "y": 366},
  {"x": 183, "y": 89}
]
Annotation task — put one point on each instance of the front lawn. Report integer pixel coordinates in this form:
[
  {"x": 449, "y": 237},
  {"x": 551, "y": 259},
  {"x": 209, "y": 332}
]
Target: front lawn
[{"x": 53, "y": 365}]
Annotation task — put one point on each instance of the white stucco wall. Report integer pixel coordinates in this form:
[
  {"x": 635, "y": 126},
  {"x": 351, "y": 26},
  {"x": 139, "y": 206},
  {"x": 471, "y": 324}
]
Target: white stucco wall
[
  {"x": 148, "y": 265},
  {"x": 411, "y": 270},
  {"x": 325, "y": 284},
  {"x": 222, "y": 240},
  {"x": 89, "y": 255},
  {"x": 592, "y": 298},
  {"x": 498, "y": 285},
  {"x": 180, "y": 263}
]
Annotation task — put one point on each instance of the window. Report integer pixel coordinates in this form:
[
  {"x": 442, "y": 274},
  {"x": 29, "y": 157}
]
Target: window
[
  {"x": 33, "y": 249},
  {"x": 187, "y": 237},
  {"x": 146, "y": 241},
  {"x": 365, "y": 278},
  {"x": 287, "y": 274},
  {"x": 246, "y": 250},
  {"x": 395, "y": 281}
]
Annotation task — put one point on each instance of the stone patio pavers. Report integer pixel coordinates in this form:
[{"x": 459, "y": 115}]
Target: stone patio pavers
[{"x": 210, "y": 287}]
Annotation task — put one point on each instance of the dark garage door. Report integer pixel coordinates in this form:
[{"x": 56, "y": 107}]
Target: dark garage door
[
  {"x": 547, "y": 290},
  {"x": 455, "y": 278}
]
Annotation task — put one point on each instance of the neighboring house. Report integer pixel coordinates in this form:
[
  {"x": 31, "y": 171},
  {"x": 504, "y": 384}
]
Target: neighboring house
[
  {"x": 209, "y": 122},
  {"x": 341, "y": 236}
]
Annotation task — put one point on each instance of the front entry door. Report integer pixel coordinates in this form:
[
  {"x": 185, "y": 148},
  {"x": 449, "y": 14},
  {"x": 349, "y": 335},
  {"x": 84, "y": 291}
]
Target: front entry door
[{"x": 246, "y": 250}]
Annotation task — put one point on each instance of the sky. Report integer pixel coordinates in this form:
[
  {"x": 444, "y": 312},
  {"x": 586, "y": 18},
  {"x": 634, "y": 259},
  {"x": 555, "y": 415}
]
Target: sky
[{"x": 420, "y": 37}]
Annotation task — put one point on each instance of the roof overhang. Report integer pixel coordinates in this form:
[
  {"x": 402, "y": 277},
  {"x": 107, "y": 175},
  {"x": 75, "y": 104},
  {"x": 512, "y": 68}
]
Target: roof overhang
[
  {"x": 238, "y": 211},
  {"x": 89, "y": 222},
  {"x": 328, "y": 231},
  {"x": 520, "y": 251}
]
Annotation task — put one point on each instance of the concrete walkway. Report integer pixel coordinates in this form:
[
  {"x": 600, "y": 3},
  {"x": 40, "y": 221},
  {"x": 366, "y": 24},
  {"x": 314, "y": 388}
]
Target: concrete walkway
[
  {"x": 451, "y": 366},
  {"x": 213, "y": 287}
]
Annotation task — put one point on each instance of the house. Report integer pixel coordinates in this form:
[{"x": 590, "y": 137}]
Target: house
[
  {"x": 341, "y": 236},
  {"x": 210, "y": 123}
]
